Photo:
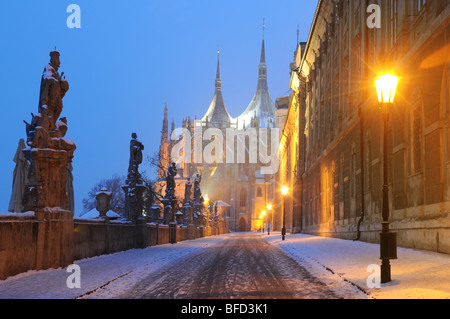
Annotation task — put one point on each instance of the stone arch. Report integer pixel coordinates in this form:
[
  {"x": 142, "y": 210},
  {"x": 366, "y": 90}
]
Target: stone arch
[
  {"x": 259, "y": 192},
  {"x": 242, "y": 224}
]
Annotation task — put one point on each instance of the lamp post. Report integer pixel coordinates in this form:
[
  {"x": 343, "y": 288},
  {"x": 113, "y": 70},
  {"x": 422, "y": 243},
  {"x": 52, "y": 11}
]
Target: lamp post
[
  {"x": 269, "y": 207},
  {"x": 386, "y": 85},
  {"x": 284, "y": 191},
  {"x": 263, "y": 214}
]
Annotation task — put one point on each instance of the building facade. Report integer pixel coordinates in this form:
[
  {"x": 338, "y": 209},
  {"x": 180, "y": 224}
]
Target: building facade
[
  {"x": 237, "y": 180},
  {"x": 331, "y": 151}
]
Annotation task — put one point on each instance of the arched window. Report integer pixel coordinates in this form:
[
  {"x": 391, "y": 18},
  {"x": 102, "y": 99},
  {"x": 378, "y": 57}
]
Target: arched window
[
  {"x": 353, "y": 173},
  {"x": 416, "y": 133},
  {"x": 243, "y": 198},
  {"x": 259, "y": 192}
]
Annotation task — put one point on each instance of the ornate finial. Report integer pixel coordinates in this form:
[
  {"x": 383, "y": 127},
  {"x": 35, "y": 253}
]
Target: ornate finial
[{"x": 298, "y": 32}]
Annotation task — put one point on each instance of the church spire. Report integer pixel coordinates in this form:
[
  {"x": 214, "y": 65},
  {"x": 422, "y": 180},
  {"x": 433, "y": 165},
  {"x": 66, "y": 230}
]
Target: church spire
[
  {"x": 165, "y": 121},
  {"x": 263, "y": 49},
  {"x": 261, "y": 109},
  {"x": 217, "y": 112},
  {"x": 218, "y": 81}
]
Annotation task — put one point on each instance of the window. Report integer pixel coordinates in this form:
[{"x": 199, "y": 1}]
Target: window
[
  {"x": 243, "y": 198},
  {"x": 420, "y": 4},
  {"x": 259, "y": 192},
  {"x": 394, "y": 21}
]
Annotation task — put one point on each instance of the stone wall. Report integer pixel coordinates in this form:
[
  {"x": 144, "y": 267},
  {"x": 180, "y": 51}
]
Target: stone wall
[{"x": 52, "y": 239}]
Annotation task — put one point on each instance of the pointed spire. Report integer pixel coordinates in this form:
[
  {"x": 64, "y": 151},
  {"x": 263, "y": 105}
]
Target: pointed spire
[
  {"x": 218, "y": 64},
  {"x": 165, "y": 121},
  {"x": 263, "y": 49},
  {"x": 217, "y": 112},
  {"x": 261, "y": 104}
]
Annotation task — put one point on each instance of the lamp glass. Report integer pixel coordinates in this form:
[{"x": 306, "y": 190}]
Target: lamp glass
[{"x": 386, "y": 85}]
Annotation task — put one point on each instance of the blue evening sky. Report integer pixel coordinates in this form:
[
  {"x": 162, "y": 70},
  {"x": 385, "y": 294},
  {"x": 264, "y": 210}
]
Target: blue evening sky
[{"x": 127, "y": 60}]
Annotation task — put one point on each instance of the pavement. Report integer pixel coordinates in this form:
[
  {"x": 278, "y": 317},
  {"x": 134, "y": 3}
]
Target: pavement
[{"x": 416, "y": 274}]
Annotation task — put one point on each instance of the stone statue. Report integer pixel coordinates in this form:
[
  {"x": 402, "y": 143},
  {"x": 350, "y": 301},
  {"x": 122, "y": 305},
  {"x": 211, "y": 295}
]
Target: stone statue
[
  {"x": 53, "y": 89},
  {"x": 49, "y": 152},
  {"x": 187, "y": 191},
  {"x": 170, "y": 179},
  {"x": 134, "y": 187},
  {"x": 136, "y": 147},
  {"x": 197, "y": 191}
]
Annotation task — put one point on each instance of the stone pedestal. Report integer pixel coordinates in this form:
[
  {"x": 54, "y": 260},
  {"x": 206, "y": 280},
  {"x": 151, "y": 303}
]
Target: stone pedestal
[
  {"x": 47, "y": 177},
  {"x": 54, "y": 238},
  {"x": 172, "y": 233},
  {"x": 187, "y": 214},
  {"x": 133, "y": 201},
  {"x": 141, "y": 233}
]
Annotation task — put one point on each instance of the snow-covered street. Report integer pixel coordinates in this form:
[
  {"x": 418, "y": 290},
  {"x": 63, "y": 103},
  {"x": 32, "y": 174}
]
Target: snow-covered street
[{"x": 241, "y": 266}]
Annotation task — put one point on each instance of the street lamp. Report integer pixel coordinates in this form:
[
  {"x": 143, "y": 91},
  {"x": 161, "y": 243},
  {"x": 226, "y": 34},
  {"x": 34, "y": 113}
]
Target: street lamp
[
  {"x": 386, "y": 86},
  {"x": 284, "y": 191},
  {"x": 263, "y": 214},
  {"x": 269, "y": 207}
]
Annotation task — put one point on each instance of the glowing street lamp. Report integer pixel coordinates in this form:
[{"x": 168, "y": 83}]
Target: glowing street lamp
[
  {"x": 284, "y": 191},
  {"x": 269, "y": 207},
  {"x": 386, "y": 86}
]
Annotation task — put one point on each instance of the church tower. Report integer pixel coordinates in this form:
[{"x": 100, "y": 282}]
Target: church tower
[
  {"x": 261, "y": 110},
  {"x": 217, "y": 114},
  {"x": 164, "y": 148}
]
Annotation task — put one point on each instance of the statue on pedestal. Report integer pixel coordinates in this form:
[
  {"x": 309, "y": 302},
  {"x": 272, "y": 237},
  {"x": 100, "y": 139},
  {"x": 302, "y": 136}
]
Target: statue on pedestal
[
  {"x": 134, "y": 187},
  {"x": 49, "y": 152}
]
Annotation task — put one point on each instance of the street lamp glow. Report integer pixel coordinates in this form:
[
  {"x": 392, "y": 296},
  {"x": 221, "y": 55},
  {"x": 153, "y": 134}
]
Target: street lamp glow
[
  {"x": 386, "y": 85},
  {"x": 269, "y": 206},
  {"x": 284, "y": 190},
  {"x": 263, "y": 213},
  {"x": 260, "y": 216}
]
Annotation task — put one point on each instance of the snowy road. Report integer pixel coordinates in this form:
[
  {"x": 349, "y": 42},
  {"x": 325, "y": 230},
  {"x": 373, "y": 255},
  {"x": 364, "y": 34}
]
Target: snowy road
[
  {"x": 241, "y": 266},
  {"x": 238, "y": 265}
]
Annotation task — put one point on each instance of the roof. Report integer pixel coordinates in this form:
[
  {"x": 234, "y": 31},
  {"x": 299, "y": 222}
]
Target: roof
[
  {"x": 261, "y": 107},
  {"x": 217, "y": 112}
]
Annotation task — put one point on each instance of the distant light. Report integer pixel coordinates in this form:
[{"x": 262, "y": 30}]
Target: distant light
[{"x": 284, "y": 190}]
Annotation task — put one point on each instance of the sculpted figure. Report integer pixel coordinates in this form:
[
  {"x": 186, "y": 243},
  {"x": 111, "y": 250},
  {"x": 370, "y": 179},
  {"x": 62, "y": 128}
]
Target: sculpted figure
[
  {"x": 53, "y": 89},
  {"x": 136, "y": 148}
]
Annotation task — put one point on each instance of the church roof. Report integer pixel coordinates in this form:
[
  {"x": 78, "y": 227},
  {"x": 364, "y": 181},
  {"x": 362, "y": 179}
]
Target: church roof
[
  {"x": 261, "y": 107},
  {"x": 217, "y": 112}
]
